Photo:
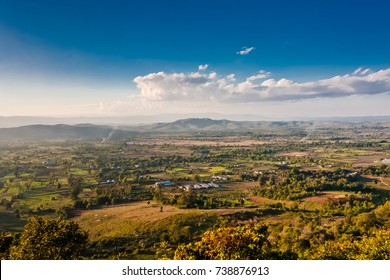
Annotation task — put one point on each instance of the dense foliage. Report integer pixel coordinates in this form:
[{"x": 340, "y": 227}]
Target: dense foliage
[
  {"x": 45, "y": 239},
  {"x": 231, "y": 243},
  {"x": 297, "y": 184}
]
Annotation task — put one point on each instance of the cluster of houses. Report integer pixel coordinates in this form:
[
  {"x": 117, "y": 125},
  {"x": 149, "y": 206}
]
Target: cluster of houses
[
  {"x": 222, "y": 178},
  {"x": 49, "y": 163},
  {"x": 385, "y": 161},
  {"x": 201, "y": 186},
  {"x": 164, "y": 183},
  {"x": 353, "y": 174},
  {"x": 110, "y": 181}
]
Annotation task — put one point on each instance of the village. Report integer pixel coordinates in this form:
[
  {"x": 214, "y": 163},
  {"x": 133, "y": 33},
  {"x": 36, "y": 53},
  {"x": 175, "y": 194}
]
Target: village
[{"x": 200, "y": 186}]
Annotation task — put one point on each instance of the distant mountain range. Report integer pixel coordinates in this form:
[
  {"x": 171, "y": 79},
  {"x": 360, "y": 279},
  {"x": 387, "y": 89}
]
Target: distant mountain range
[
  {"x": 59, "y": 132},
  {"x": 204, "y": 124},
  {"x": 90, "y": 131},
  {"x": 17, "y": 121}
]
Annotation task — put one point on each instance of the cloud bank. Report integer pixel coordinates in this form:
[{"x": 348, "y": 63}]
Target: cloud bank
[{"x": 202, "y": 86}]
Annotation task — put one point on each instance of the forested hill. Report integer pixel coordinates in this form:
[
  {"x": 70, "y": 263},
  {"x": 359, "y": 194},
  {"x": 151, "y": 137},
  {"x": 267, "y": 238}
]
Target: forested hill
[
  {"x": 60, "y": 132},
  {"x": 206, "y": 124},
  {"x": 90, "y": 131}
]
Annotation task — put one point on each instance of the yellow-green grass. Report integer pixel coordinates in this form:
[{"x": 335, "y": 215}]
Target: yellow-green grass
[
  {"x": 78, "y": 171},
  {"x": 135, "y": 218},
  {"x": 45, "y": 202},
  {"x": 9, "y": 176},
  {"x": 38, "y": 185},
  {"x": 176, "y": 170},
  {"x": 12, "y": 190},
  {"x": 45, "y": 198},
  {"x": 217, "y": 169},
  {"x": 87, "y": 193},
  {"x": 124, "y": 220},
  {"x": 25, "y": 175},
  {"x": 247, "y": 203}
]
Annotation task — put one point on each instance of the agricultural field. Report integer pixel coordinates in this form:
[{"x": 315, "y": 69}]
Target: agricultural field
[{"x": 149, "y": 196}]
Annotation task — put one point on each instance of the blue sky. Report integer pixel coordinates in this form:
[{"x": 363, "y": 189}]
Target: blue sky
[{"x": 275, "y": 59}]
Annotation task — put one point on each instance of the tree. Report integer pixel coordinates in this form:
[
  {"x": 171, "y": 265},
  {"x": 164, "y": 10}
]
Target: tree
[
  {"x": 5, "y": 245},
  {"x": 374, "y": 247},
  {"x": 197, "y": 178},
  {"x": 43, "y": 238},
  {"x": 187, "y": 199},
  {"x": 262, "y": 180},
  {"x": 230, "y": 243},
  {"x": 76, "y": 185}
]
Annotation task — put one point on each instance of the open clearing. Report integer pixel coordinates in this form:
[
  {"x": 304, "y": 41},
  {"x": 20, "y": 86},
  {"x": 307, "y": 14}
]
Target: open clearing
[
  {"x": 133, "y": 218},
  {"x": 296, "y": 154},
  {"x": 141, "y": 211},
  {"x": 136, "y": 211},
  {"x": 325, "y": 197}
]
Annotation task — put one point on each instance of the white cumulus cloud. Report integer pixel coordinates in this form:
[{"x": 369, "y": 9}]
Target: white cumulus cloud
[
  {"x": 361, "y": 71},
  {"x": 245, "y": 50},
  {"x": 201, "y": 86},
  {"x": 262, "y": 74},
  {"x": 364, "y": 72},
  {"x": 203, "y": 67},
  {"x": 231, "y": 77},
  {"x": 357, "y": 71}
]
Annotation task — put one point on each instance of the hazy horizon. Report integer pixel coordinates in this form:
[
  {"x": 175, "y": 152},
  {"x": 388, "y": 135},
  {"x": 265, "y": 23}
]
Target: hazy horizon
[{"x": 18, "y": 121}]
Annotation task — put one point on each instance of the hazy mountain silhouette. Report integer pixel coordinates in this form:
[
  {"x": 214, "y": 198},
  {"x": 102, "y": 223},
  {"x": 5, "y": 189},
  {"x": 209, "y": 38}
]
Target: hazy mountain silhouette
[
  {"x": 91, "y": 131},
  {"x": 206, "y": 124},
  {"x": 60, "y": 132}
]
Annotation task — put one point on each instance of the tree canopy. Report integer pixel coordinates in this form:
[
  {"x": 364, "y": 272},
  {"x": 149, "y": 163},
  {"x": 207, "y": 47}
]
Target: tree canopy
[
  {"x": 43, "y": 238},
  {"x": 231, "y": 243}
]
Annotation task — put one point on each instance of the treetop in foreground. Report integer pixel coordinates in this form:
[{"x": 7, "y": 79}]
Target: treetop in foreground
[{"x": 50, "y": 239}]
